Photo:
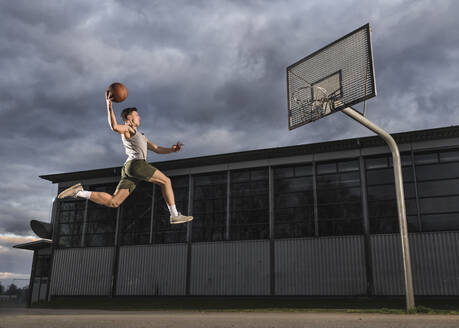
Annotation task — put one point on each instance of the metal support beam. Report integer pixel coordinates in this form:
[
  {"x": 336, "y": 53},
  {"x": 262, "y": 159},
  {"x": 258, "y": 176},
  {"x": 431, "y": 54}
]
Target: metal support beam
[
  {"x": 85, "y": 224},
  {"x": 366, "y": 228},
  {"x": 272, "y": 235},
  {"x": 416, "y": 192},
  {"x": 352, "y": 113},
  {"x": 189, "y": 234},
  {"x": 32, "y": 280},
  {"x": 228, "y": 204},
  {"x": 314, "y": 193},
  {"x": 54, "y": 218},
  {"x": 152, "y": 214},
  {"x": 116, "y": 256}
]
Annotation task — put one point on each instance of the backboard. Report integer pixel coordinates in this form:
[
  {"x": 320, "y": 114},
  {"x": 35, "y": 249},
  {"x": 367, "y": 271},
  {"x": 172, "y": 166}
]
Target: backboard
[{"x": 337, "y": 76}]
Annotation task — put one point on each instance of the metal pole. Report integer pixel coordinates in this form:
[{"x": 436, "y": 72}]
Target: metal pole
[
  {"x": 352, "y": 113},
  {"x": 228, "y": 204},
  {"x": 272, "y": 235},
  {"x": 152, "y": 214},
  {"x": 366, "y": 227}
]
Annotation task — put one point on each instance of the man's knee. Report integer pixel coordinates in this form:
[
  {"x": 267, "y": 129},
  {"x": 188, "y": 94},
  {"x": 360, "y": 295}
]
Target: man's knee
[
  {"x": 164, "y": 181},
  {"x": 114, "y": 203},
  {"x": 160, "y": 178},
  {"x": 118, "y": 198}
]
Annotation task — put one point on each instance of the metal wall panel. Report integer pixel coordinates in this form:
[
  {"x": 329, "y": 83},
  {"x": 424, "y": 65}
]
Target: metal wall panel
[
  {"x": 387, "y": 264},
  {"x": 310, "y": 266},
  {"x": 435, "y": 258},
  {"x": 82, "y": 271},
  {"x": 43, "y": 289},
  {"x": 44, "y": 251},
  {"x": 230, "y": 268},
  {"x": 434, "y": 261},
  {"x": 320, "y": 266},
  {"x": 35, "y": 290},
  {"x": 152, "y": 270}
]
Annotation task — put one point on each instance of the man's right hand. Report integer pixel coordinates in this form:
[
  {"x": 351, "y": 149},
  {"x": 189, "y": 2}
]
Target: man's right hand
[{"x": 108, "y": 99}]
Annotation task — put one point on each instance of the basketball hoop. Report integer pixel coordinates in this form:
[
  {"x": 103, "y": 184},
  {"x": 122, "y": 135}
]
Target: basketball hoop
[
  {"x": 332, "y": 78},
  {"x": 335, "y": 78}
]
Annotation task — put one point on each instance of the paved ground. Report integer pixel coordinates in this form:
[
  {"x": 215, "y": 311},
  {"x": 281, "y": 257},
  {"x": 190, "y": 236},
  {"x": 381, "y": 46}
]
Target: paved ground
[{"x": 14, "y": 317}]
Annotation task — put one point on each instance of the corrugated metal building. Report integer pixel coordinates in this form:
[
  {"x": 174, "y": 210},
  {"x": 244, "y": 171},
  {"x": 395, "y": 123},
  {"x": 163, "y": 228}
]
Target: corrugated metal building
[{"x": 315, "y": 219}]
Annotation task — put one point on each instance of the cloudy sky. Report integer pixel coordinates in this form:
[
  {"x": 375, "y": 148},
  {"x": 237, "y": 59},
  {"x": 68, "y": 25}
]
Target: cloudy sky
[{"x": 210, "y": 73}]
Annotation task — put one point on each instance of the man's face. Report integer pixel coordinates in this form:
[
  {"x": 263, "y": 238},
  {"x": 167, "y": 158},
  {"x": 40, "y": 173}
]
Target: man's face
[{"x": 134, "y": 117}]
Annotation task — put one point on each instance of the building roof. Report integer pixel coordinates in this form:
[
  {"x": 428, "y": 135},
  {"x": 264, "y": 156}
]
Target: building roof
[
  {"x": 33, "y": 245},
  {"x": 269, "y": 153}
]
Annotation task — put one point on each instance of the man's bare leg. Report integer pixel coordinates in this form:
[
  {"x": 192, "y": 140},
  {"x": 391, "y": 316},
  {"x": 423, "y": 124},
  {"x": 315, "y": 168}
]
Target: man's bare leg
[
  {"x": 166, "y": 186},
  {"x": 168, "y": 194},
  {"x": 98, "y": 197},
  {"x": 108, "y": 200}
]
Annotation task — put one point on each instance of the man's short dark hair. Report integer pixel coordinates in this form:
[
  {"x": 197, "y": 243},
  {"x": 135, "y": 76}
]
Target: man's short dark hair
[{"x": 127, "y": 111}]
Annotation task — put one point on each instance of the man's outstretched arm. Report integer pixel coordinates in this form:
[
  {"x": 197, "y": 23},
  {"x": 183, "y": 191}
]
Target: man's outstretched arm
[
  {"x": 162, "y": 150},
  {"x": 120, "y": 128}
]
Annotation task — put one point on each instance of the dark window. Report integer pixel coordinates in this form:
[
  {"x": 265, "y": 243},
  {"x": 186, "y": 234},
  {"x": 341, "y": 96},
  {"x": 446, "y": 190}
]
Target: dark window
[
  {"x": 338, "y": 198},
  {"x": 70, "y": 217},
  {"x": 94, "y": 240},
  {"x": 430, "y": 205},
  {"x": 434, "y": 172},
  {"x": 294, "y": 201},
  {"x": 438, "y": 189},
  {"x": 440, "y": 222},
  {"x": 425, "y": 158},
  {"x": 449, "y": 156},
  {"x": 377, "y": 162},
  {"x": 70, "y": 229},
  {"x": 163, "y": 231},
  {"x": 249, "y": 212},
  {"x": 382, "y": 200},
  {"x": 42, "y": 266},
  {"x": 135, "y": 216},
  {"x": 101, "y": 220},
  {"x": 209, "y": 207},
  {"x": 386, "y": 176}
]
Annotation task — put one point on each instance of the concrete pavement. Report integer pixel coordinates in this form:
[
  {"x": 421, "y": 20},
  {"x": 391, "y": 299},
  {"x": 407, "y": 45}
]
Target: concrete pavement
[{"x": 50, "y": 318}]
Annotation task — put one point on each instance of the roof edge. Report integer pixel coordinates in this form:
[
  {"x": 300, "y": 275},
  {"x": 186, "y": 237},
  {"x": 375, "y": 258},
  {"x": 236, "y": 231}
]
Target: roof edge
[{"x": 319, "y": 147}]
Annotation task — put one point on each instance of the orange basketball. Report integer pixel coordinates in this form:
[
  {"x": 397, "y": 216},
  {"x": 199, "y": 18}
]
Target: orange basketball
[{"x": 118, "y": 91}]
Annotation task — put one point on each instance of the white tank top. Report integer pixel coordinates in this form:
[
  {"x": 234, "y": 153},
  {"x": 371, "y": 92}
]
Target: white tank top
[{"x": 136, "y": 146}]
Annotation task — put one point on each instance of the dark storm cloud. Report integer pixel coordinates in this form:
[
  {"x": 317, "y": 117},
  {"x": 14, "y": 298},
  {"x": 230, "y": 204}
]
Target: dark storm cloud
[
  {"x": 209, "y": 73},
  {"x": 415, "y": 72}
]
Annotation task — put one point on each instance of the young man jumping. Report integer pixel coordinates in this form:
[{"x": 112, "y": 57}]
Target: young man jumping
[{"x": 135, "y": 168}]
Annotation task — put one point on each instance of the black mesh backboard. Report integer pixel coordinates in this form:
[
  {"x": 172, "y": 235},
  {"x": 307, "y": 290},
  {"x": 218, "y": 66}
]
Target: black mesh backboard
[{"x": 339, "y": 75}]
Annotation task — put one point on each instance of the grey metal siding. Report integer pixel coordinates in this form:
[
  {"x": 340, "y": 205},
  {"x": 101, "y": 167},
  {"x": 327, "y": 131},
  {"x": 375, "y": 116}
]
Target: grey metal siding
[
  {"x": 152, "y": 270},
  {"x": 43, "y": 289},
  {"x": 320, "y": 266},
  {"x": 435, "y": 263},
  {"x": 387, "y": 264},
  {"x": 230, "y": 268},
  {"x": 435, "y": 259},
  {"x": 309, "y": 266},
  {"x": 35, "y": 290},
  {"x": 82, "y": 271}
]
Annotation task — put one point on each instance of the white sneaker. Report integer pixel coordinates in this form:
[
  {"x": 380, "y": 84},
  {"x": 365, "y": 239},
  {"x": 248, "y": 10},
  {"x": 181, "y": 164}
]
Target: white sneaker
[
  {"x": 71, "y": 191},
  {"x": 180, "y": 219}
]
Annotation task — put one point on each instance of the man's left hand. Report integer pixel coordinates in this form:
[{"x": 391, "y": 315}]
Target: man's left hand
[{"x": 175, "y": 148}]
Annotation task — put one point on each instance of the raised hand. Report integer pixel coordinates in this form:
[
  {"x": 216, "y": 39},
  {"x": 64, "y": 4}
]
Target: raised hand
[
  {"x": 108, "y": 99},
  {"x": 178, "y": 145}
]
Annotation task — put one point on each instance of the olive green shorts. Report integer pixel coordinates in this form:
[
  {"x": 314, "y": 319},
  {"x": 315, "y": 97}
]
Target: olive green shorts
[{"x": 133, "y": 172}]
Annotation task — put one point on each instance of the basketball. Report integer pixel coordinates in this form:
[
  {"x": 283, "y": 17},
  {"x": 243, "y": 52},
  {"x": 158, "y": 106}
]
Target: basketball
[{"x": 118, "y": 91}]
